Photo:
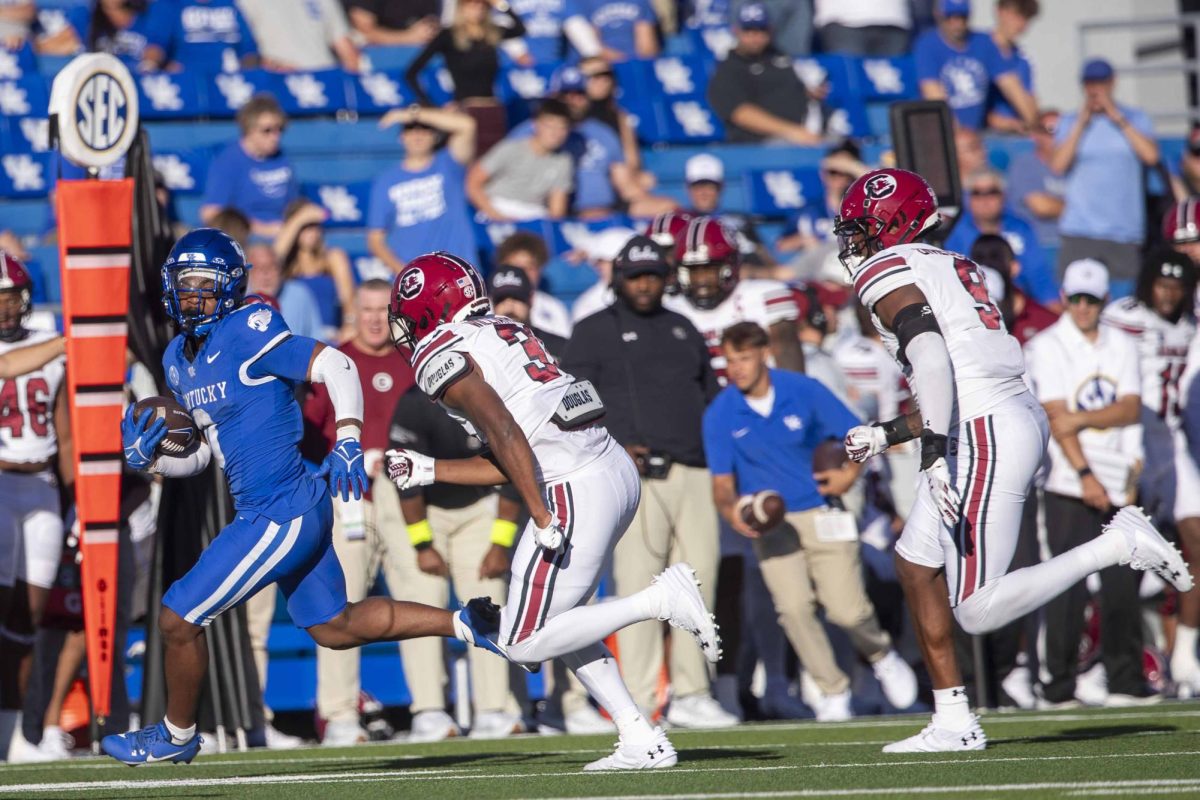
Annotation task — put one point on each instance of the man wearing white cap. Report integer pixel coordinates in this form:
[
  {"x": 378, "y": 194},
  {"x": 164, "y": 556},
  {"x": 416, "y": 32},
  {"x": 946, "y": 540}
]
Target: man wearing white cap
[{"x": 1086, "y": 375}]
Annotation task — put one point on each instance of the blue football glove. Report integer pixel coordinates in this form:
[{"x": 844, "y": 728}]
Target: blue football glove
[
  {"x": 140, "y": 436},
  {"x": 344, "y": 469}
]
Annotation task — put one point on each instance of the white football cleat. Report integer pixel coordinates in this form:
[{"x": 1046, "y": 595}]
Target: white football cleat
[
  {"x": 1145, "y": 548},
  {"x": 833, "y": 707},
  {"x": 685, "y": 608},
  {"x": 496, "y": 725},
  {"x": 897, "y": 679},
  {"x": 343, "y": 733},
  {"x": 656, "y": 754},
  {"x": 699, "y": 711},
  {"x": 56, "y": 742},
  {"x": 432, "y": 726},
  {"x": 278, "y": 740},
  {"x": 936, "y": 739}
]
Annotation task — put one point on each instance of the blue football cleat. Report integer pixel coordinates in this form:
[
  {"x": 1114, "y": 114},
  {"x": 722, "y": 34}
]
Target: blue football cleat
[
  {"x": 149, "y": 745},
  {"x": 478, "y": 622}
]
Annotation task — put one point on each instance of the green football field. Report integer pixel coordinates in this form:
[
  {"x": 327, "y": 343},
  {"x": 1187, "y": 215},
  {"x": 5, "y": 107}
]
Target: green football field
[{"x": 1119, "y": 752}]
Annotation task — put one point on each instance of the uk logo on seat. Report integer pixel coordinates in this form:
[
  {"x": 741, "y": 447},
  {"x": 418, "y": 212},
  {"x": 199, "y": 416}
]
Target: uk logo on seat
[
  {"x": 162, "y": 92},
  {"x": 307, "y": 90},
  {"x": 674, "y": 76},
  {"x": 176, "y": 172},
  {"x": 24, "y": 173},
  {"x": 382, "y": 90},
  {"x": 693, "y": 118},
  {"x": 885, "y": 77},
  {"x": 785, "y": 190},
  {"x": 341, "y": 204},
  {"x": 14, "y": 100},
  {"x": 236, "y": 90}
]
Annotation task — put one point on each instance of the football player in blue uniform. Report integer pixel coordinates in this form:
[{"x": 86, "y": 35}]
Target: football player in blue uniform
[{"x": 234, "y": 367}]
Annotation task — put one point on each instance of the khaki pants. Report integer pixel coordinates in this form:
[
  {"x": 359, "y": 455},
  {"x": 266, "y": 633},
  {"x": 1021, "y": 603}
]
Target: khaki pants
[
  {"x": 676, "y": 521},
  {"x": 829, "y": 573}
]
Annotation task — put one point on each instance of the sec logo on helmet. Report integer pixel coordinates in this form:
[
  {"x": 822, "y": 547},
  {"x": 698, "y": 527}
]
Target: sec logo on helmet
[
  {"x": 880, "y": 186},
  {"x": 411, "y": 283}
]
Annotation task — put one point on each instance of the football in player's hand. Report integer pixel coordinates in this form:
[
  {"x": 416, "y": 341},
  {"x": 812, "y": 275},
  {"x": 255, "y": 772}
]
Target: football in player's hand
[
  {"x": 762, "y": 511},
  {"x": 181, "y": 430},
  {"x": 830, "y": 454}
]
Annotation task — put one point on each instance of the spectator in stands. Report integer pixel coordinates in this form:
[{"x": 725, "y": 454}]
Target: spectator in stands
[
  {"x": 419, "y": 206},
  {"x": 1034, "y": 190},
  {"x": 527, "y": 252},
  {"x": 600, "y": 83},
  {"x": 233, "y": 222},
  {"x": 968, "y": 145},
  {"x": 1012, "y": 18},
  {"x": 986, "y": 213},
  {"x": 626, "y": 27},
  {"x": 302, "y": 34},
  {"x": 1103, "y": 150},
  {"x": 705, "y": 176},
  {"x": 252, "y": 174},
  {"x": 755, "y": 91},
  {"x": 512, "y": 296},
  {"x": 812, "y": 226},
  {"x": 137, "y": 34},
  {"x": 1086, "y": 375},
  {"x": 392, "y": 23},
  {"x": 301, "y": 250},
  {"x": 1024, "y": 316},
  {"x": 296, "y": 302},
  {"x": 865, "y": 28},
  {"x": 1186, "y": 182},
  {"x": 469, "y": 48},
  {"x": 604, "y": 183},
  {"x": 16, "y": 19},
  {"x": 959, "y": 65},
  {"x": 526, "y": 177},
  {"x": 209, "y": 36},
  {"x": 551, "y": 24}
]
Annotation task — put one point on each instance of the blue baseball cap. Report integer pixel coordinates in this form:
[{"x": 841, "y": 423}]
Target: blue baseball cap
[
  {"x": 1096, "y": 69},
  {"x": 955, "y": 8},
  {"x": 753, "y": 17},
  {"x": 568, "y": 79}
]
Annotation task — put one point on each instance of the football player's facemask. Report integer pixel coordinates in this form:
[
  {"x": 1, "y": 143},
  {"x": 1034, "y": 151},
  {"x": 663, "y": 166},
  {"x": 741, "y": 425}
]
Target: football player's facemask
[
  {"x": 883, "y": 208},
  {"x": 430, "y": 290},
  {"x": 203, "y": 279},
  {"x": 16, "y": 297},
  {"x": 708, "y": 259}
]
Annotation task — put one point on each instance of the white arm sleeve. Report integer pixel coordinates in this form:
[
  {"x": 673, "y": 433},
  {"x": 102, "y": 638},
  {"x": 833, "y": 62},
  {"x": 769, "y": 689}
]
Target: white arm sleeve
[
  {"x": 182, "y": 466},
  {"x": 932, "y": 380},
  {"x": 582, "y": 36},
  {"x": 332, "y": 368}
]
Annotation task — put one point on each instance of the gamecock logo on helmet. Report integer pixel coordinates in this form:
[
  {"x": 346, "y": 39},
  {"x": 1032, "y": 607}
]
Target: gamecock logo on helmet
[
  {"x": 880, "y": 186},
  {"x": 411, "y": 283}
]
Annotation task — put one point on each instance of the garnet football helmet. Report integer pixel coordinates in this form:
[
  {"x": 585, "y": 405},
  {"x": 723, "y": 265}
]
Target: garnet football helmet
[
  {"x": 211, "y": 255},
  {"x": 430, "y": 290},
  {"x": 667, "y": 229},
  {"x": 883, "y": 208},
  {"x": 14, "y": 278},
  {"x": 707, "y": 243},
  {"x": 1181, "y": 225}
]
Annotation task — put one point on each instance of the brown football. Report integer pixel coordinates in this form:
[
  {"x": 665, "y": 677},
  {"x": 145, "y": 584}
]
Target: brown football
[
  {"x": 830, "y": 454},
  {"x": 181, "y": 429},
  {"x": 763, "y": 510}
]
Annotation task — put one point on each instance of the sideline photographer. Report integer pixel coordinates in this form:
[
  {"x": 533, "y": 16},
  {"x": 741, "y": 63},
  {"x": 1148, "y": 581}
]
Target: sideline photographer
[{"x": 652, "y": 368}]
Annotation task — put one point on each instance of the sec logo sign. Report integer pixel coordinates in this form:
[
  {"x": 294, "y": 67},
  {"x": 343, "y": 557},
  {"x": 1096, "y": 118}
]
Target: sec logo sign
[
  {"x": 94, "y": 104},
  {"x": 100, "y": 111}
]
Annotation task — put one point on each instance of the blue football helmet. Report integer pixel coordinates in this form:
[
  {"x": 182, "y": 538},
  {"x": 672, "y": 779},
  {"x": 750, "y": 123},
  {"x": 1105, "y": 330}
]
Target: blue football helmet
[{"x": 205, "y": 253}]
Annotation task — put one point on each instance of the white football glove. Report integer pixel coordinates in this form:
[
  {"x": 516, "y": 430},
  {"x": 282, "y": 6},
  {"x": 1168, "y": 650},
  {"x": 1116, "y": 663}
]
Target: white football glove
[
  {"x": 864, "y": 441},
  {"x": 549, "y": 537},
  {"x": 409, "y": 469},
  {"x": 941, "y": 486}
]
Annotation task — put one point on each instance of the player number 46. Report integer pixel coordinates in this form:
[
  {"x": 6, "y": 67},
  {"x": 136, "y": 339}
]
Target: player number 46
[{"x": 37, "y": 406}]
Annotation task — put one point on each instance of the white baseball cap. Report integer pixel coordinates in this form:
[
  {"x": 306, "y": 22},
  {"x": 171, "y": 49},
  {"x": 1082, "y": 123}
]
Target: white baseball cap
[
  {"x": 704, "y": 167},
  {"x": 1086, "y": 276}
]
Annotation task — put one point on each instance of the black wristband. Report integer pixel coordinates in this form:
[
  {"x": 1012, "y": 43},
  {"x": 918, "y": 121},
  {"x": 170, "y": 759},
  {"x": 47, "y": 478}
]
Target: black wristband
[
  {"x": 1084, "y": 471},
  {"x": 423, "y": 546},
  {"x": 896, "y": 431},
  {"x": 933, "y": 447}
]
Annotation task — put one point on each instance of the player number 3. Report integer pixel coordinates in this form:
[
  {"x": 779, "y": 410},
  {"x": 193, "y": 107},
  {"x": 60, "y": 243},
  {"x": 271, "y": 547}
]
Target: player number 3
[
  {"x": 972, "y": 280},
  {"x": 541, "y": 366}
]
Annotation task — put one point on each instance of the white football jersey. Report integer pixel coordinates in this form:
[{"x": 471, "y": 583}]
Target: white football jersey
[
  {"x": 987, "y": 361},
  {"x": 27, "y": 432},
  {"x": 513, "y": 361},
  {"x": 764, "y": 302},
  {"x": 876, "y": 384},
  {"x": 1163, "y": 349}
]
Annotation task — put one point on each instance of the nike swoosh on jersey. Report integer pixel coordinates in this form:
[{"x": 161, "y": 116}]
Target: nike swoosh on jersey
[
  {"x": 740, "y": 432},
  {"x": 213, "y": 357}
]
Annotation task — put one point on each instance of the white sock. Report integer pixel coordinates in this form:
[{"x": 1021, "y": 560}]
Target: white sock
[
  {"x": 597, "y": 670},
  {"x": 579, "y": 627},
  {"x": 179, "y": 735},
  {"x": 1185, "y": 642},
  {"x": 951, "y": 709}
]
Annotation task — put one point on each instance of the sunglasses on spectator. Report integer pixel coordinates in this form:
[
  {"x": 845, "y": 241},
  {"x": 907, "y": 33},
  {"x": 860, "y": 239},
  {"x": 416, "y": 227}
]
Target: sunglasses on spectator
[
  {"x": 990, "y": 191},
  {"x": 608, "y": 73},
  {"x": 1085, "y": 298}
]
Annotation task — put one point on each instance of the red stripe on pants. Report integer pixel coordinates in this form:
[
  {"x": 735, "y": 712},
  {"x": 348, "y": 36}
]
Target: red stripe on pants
[
  {"x": 981, "y": 457},
  {"x": 541, "y": 575}
]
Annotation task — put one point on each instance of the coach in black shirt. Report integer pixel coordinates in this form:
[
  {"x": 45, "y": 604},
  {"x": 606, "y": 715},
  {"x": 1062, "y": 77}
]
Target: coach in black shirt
[{"x": 652, "y": 370}]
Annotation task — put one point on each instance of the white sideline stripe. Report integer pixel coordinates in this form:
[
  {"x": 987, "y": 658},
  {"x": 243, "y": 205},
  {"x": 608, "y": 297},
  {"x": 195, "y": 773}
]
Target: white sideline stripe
[
  {"x": 458, "y": 775},
  {"x": 1084, "y": 789},
  {"x": 101, "y": 261},
  {"x": 1152, "y": 712}
]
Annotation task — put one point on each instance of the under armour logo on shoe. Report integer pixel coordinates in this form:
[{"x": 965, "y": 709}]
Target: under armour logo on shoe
[
  {"x": 970, "y": 737},
  {"x": 958, "y": 692}
]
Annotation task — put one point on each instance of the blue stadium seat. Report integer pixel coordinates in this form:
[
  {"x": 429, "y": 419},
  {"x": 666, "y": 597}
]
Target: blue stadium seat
[
  {"x": 25, "y": 217},
  {"x": 24, "y": 134},
  {"x": 889, "y": 79},
  {"x": 187, "y": 208},
  {"x": 353, "y": 241},
  {"x": 47, "y": 279},
  {"x": 24, "y": 174},
  {"x": 183, "y": 171},
  {"x": 391, "y": 58},
  {"x": 26, "y": 96},
  {"x": 780, "y": 192},
  {"x": 345, "y": 202},
  {"x": 330, "y": 137},
  {"x": 18, "y": 62},
  {"x": 49, "y": 66},
  {"x": 170, "y": 95},
  {"x": 379, "y": 92},
  {"x": 165, "y": 136},
  {"x": 349, "y": 168},
  {"x": 668, "y": 164}
]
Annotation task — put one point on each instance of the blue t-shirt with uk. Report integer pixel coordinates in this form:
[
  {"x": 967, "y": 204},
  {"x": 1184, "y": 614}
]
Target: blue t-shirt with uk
[
  {"x": 966, "y": 73},
  {"x": 543, "y": 21},
  {"x": 775, "y": 451},
  {"x": 150, "y": 27},
  {"x": 209, "y": 35},
  {"x": 1104, "y": 184},
  {"x": 423, "y": 211},
  {"x": 259, "y": 188},
  {"x": 594, "y": 147},
  {"x": 1037, "y": 275},
  {"x": 615, "y": 20}
]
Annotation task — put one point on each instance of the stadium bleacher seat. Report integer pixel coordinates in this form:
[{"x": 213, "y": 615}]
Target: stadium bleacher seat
[
  {"x": 781, "y": 192},
  {"x": 346, "y": 203}
]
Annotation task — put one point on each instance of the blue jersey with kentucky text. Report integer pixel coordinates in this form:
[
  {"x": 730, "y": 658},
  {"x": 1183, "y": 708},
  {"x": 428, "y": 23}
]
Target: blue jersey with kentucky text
[{"x": 250, "y": 418}]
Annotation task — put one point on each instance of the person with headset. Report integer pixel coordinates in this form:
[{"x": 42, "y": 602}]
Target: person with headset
[{"x": 653, "y": 370}]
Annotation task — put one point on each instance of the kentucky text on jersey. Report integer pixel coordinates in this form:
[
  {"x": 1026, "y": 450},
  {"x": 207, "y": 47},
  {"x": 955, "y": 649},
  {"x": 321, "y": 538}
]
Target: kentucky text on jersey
[{"x": 204, "y": 394}]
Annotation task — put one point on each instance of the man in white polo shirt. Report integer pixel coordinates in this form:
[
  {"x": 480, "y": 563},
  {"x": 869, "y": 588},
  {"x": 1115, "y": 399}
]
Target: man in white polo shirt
[{"x": 1086, "y": 375}]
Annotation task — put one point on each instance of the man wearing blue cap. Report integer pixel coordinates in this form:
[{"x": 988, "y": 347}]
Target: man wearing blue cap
[
  {"x": 755, "y": 90},
  {"x": 1102, "y": 150},
  {"x": 959, "y": 65}
]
